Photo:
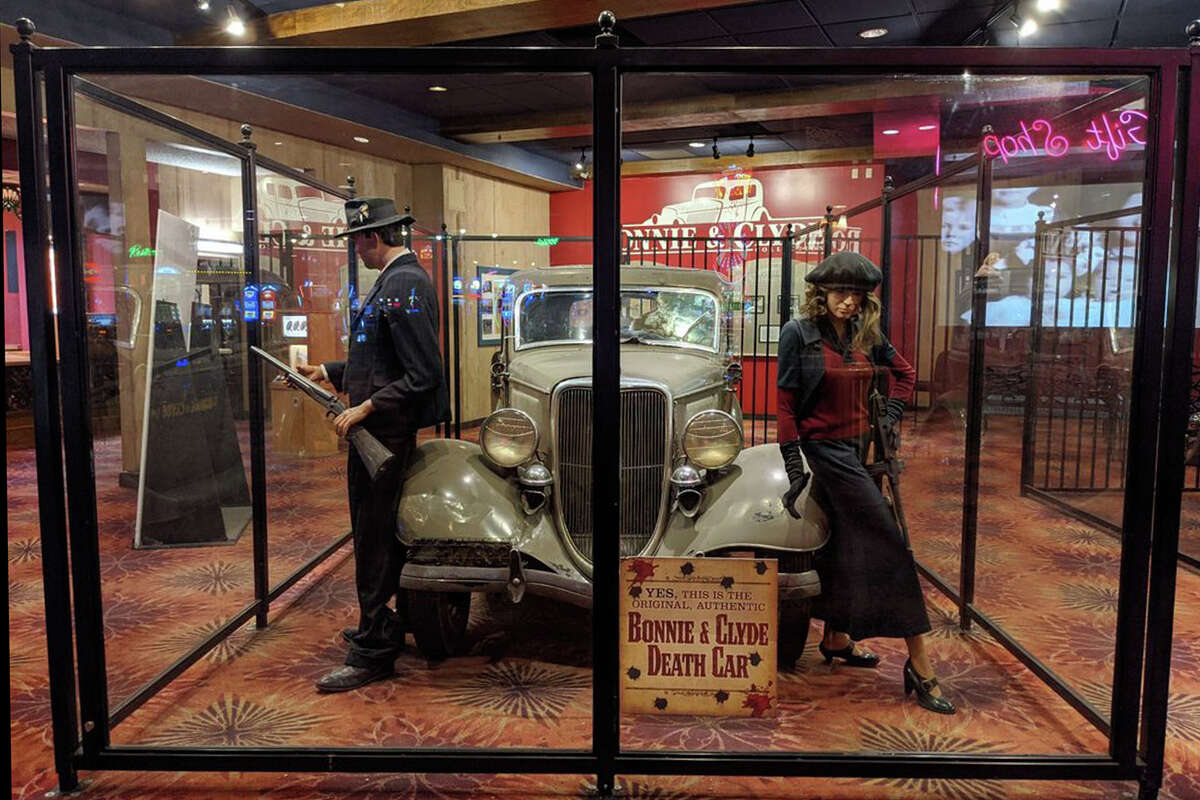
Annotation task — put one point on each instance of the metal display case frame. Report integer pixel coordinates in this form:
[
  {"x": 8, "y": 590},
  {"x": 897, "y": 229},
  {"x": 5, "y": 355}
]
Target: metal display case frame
[{"x": 82, "y": 718}]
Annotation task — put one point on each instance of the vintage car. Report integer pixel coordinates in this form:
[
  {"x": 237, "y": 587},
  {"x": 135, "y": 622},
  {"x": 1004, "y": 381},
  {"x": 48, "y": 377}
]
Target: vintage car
[
  {"x": 512, "y": 514},
  {"x": 737, "y": 198}
]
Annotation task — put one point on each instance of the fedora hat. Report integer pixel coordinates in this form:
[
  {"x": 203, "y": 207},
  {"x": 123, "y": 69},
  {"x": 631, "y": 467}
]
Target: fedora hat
[{"x": 369, "y": 213}]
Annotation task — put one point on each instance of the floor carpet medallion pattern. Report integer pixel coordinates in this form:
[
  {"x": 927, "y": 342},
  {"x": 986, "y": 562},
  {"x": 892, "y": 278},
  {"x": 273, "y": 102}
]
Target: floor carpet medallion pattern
[{"x": 526, "y": 681}]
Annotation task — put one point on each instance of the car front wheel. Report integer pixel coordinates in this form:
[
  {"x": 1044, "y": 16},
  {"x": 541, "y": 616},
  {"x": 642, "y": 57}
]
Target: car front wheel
[{"x": 439, "y": 622}]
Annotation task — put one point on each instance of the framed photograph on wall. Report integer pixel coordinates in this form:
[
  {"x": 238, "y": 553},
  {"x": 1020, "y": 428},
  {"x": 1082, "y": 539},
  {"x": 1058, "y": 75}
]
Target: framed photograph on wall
[{"x": 491, "y": 301}]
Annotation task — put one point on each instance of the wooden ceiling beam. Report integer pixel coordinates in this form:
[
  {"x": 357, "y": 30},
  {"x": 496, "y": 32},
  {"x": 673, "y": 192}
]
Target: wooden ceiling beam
[{"x": 413, "y": 23}]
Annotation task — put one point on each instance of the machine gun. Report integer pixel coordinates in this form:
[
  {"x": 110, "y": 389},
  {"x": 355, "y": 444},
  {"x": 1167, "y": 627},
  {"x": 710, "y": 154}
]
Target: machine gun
[
  {"x": 375, "y": 456},
  {"x": 887, "y": 464}
]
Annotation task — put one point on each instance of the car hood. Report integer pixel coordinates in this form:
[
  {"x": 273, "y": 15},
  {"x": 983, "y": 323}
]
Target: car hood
[
  {"x": 680, "y": 370},
  {"x": 699, "y": 204}
]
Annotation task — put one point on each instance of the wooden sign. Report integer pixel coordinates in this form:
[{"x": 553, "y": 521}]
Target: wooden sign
[{"x": 698, "y": 636}]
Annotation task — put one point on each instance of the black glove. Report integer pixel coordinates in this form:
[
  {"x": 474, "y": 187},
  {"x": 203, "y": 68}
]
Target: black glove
[
  {"x": 793, "y": 462},
  {"x": 895, "y": 410}
]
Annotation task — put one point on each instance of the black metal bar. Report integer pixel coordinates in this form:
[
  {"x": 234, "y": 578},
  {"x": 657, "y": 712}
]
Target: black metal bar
[
  {"x": 52, "y": 515},
  {"x": 606, "y": 412},
  {"x": 785, "y": 280},
  {"x": 77, "y": 424},
  {"x": 1087, "y": 219},
  {"x": 767, "y": 296},
  {"x": 456, "y": 268},
  {"x": 447, "y": 288},
  {"x": 770, "y": 60},
  {"x": 1177, "y": 380},
  {"x": 976, "y": 393},
  {"x": 1086, "y": 517},
  {"x": 885, "y": 256},
  {"x": 258, "y": 411},
  {"x": 1029, "y": 428},
  {"x": 342, "y": 759},
  {"x": 891, "y": 765},
  {"x": 827, "y": 241},
  {"x": 1143, "y": 418},
  {"x": 156, "y": 684}
]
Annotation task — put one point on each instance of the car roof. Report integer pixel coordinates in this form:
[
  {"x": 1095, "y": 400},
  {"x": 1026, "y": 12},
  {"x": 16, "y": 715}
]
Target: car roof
[{"x": 642, "y": 274}]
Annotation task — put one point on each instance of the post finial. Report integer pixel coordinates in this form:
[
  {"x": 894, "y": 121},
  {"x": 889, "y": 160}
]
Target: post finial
[
  {"x": 607, "y": 22},
  {"x": 246, "y": 133},
  {"x": 889, "y": 184},
  {"x": 1192, "y": 30},
  {"x": 25, "y": 29},
  {"x": 350, "y": 181}
]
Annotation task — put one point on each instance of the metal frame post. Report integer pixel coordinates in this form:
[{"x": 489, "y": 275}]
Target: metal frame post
[
  {"x": 258, "y": 410},
  {"x": 785, "y": 279},
  {"x": 77, "y": 424},
  {"x": 56, "y": 588},
  {"x": 975, "y": 387},
  {"x": 606, "y": 404},
  {"x": 1177, "y": 366},
  {"x": 1162, "y": 108},
  {"x": 827, "y": 241},
  {"x": 885, "y": 256},
  {"x": 457, "y": 309}
]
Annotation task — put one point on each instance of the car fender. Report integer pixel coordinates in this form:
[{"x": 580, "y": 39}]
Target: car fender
[
  {"x": 450, "y": 493},
  {"x": 743, "y": 507}
]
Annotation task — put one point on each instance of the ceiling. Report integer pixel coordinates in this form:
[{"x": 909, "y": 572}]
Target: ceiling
[{"x": 547, "y": 118}]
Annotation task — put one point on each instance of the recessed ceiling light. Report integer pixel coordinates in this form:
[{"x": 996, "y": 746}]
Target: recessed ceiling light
[
  {"x": 436, "y": 88},
  {"x": 1028, "y": 27},
  {"x": 873, "y": 33},
  {"x": 202, "y": 5},
  {"x": 1048, "y": 5},
  {"x": 890, "y": 131},
  {"x": 926, "y": 127},
  {"x": 696, "y": 145},
  {"x": 278, "y": 143},
  {"x": 361, "y": 139}
]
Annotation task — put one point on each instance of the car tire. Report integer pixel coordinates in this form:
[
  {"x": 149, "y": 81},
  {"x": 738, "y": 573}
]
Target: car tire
[
  {"x": 794, "y": 618},
  {"x": 439, "y": 622}
]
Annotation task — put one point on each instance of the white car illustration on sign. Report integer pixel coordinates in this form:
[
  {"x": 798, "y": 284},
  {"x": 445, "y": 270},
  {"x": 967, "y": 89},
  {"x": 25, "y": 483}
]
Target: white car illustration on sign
[
  {"x": 285, "y": 204},
  {"x": 737, "y": 199}
]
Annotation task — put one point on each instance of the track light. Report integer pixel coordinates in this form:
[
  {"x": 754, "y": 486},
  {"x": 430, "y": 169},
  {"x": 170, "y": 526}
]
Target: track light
[
  {"x": 716, "y": 150},
  {"x": 750, "y": 148},
  {"x": 1025, "y": 27},
  {"x": 235, "y": 26},
  {"x": 1048, "y": 5},
  {"x": 582, "y": 169},
  {"x": 202, "y": 5}
]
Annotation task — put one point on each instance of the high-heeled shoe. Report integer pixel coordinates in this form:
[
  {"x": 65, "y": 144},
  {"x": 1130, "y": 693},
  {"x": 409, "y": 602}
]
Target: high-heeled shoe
[
  {"x": 923, "y": 687},
  {"x": 847, "y": 654}
]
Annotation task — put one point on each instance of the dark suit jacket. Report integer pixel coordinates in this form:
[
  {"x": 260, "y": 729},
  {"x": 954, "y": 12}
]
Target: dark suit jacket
[{"x": 394, "y": 357}]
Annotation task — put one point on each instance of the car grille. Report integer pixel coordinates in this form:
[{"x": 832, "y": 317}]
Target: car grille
[{"x": 644, "y": 437}]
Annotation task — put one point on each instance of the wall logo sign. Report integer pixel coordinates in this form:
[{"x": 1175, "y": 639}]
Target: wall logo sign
[
  {"x": 1111, "y": 133},
  {"x": 731, "y": 207}
]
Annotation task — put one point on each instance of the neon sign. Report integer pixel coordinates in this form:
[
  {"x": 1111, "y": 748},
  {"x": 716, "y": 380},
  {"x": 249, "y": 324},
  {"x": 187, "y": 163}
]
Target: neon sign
[
  {"x": 1112, "y": 135},
  {"x": 546, "y": 241},
  {"x": 140, "y": 251}
]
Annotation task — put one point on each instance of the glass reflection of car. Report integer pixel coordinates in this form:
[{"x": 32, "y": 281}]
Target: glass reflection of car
[{"x": 512, "y": 514}]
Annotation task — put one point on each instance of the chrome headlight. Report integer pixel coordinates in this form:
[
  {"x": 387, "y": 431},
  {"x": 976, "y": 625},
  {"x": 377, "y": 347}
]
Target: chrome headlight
[
  {"x": 508, "y": 437},
  {"x": 712, "y": 439}
]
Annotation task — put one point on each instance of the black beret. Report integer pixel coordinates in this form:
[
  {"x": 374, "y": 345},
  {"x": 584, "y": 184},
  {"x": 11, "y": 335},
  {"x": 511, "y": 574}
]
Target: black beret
[{"x": 846, "y": 270}]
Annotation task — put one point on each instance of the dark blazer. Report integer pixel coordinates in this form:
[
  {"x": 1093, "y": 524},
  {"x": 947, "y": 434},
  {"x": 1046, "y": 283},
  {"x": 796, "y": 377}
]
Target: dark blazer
[
  {"x": 802, "y": 361},
  {"x": 394, "y": 357}
]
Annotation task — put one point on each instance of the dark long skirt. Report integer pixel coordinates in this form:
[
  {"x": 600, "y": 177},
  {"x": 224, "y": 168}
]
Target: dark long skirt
[{"x": 869, "y": 583}]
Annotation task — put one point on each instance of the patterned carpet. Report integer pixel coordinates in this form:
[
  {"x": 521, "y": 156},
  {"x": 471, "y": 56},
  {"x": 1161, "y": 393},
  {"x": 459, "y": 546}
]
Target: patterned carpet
[{"x": 527, "y": 681}]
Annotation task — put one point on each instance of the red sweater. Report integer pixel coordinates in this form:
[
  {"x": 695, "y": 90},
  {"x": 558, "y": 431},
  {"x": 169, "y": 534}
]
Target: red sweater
[{"x": 841, "y": 408}]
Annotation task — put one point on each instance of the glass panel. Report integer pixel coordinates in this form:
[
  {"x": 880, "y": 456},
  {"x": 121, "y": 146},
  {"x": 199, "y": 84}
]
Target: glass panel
[
  {"x": 1057, "y": 378},
  {"x": 304, "y": 304},
  {"x": 487, "y": 662},
  {"x": 161, "y": 231},
  {"x": 798, "y": 159}
]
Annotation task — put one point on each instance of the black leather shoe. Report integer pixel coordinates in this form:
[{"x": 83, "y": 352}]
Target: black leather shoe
[
  {"x": 345, "y": 679},
  {"x": 923, "y": 687},
  {"x": 348, "y": 635},
  {"x": 847, "y": 654}
]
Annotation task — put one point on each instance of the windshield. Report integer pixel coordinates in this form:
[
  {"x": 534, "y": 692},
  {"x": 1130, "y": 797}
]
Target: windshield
[
  {"x": 678, "y": 317},
  {"x": 709, "y": 190}
]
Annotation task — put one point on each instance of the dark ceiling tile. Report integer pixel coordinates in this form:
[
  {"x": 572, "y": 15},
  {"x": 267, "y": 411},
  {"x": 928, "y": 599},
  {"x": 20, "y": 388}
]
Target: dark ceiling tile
[
  {"x": 1156, "y": 23},
  {"x": 952, "y": 27},
  {"x": 674, "y": 28},
  {"x": 847, "y": 10},
  {"x": 901, "y": 30},
  {"x": 763, "y": 17},
  {"x": 740, "y": 83},
  {"x": 1081, "y": 10},
  {"x": 1095, "y": 33},
  {"x": 791, "y": 37},
  {"x": 716, "y": 41},
  {"x": 928, "y": 6}
]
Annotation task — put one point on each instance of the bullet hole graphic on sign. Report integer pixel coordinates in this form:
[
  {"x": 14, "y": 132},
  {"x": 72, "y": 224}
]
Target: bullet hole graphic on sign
[
  {"x": 727, "y": 582},
  {"x": 634, "y": 673},
  {"x": 687, "y": 569},
  {"x": 755, "y": 659},
  {"x": 760, "y": 567},
  {"x": 635, "y": 591},
  {"x": 721, "y": 696},
  {"x": 660, "y": 703}
]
